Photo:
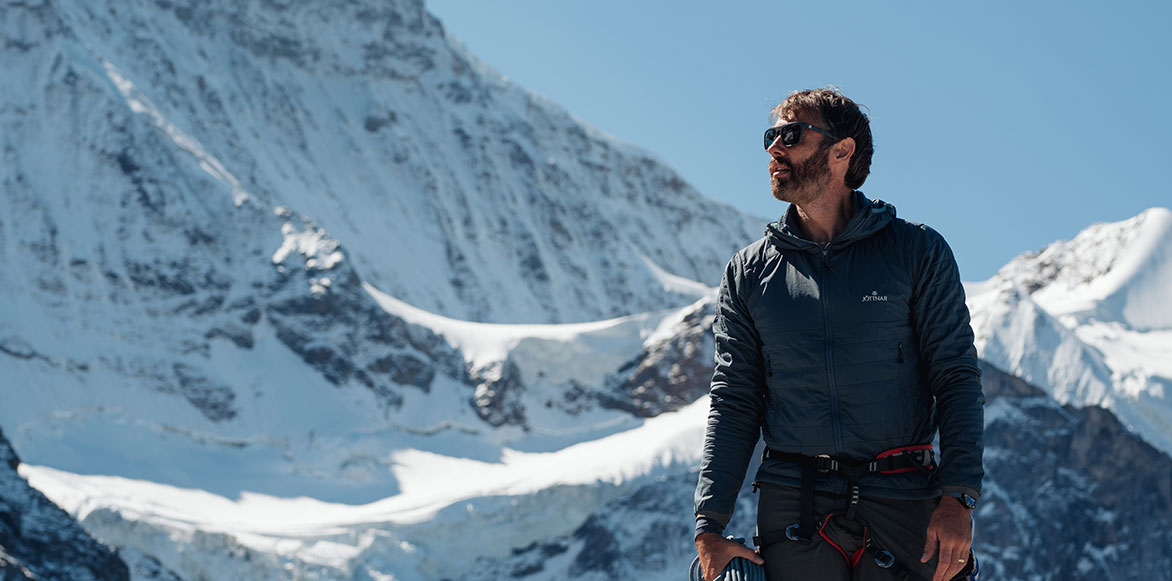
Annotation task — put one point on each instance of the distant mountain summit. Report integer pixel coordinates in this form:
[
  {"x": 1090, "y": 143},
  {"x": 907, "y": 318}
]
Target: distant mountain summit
[
  {"x": 1119, "y": 272},
  {"x": 1090, "y": 321}
]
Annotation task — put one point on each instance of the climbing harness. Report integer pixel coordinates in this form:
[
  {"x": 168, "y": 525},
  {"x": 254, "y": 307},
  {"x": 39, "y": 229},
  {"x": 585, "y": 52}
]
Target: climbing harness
[
  {"x": 853, "y": 540},
  {"x": 845, "y": 531},
  {"x": 895, "y": 461}
]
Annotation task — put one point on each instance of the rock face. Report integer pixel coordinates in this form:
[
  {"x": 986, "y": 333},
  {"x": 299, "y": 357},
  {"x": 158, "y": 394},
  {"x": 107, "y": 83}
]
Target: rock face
[
  {"x": 1071, "y": 493},
  {"x": 668, "y": 374},
  {"x": 645, "y": 534},
  {"x": 38, "y": 540}
]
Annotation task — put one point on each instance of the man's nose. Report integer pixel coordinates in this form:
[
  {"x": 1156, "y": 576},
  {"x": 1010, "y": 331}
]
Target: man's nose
[{"x": 776, "y": 149}]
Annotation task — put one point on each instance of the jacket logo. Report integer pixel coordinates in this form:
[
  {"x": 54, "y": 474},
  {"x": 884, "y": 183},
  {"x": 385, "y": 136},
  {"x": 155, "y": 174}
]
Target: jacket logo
[{"x": 874, "y": 296}]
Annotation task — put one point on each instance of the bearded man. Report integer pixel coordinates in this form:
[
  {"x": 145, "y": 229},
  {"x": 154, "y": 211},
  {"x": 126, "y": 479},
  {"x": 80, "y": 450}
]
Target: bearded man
[{"x": 843, "y": 340}]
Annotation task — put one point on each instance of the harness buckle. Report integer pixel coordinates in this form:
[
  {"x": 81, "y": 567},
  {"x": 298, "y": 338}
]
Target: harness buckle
[{"x": 824, "y": 463}]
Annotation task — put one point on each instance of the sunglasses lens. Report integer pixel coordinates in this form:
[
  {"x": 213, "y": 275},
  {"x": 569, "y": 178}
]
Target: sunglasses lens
[{"x": 790, "y": 134}]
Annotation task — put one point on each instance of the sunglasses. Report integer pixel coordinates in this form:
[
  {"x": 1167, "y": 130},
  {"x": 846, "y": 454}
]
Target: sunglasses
[{"x": 791, "y": 133}]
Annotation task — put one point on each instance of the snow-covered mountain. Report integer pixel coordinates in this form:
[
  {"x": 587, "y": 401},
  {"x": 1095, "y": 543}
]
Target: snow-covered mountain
[
  {"x": 1089, "y": 321},
  {"x": 305, "y": 291},
  {"x": 208, "y": 208},
  {"x": 453, "y": 190}
]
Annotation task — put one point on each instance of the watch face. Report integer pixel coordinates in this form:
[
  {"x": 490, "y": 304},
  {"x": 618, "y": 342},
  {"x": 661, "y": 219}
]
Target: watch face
[{"x": 968, "y": 501}]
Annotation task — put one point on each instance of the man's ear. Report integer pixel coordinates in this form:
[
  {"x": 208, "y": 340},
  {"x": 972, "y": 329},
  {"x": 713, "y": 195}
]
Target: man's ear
[{"x": 843, "y": 150}]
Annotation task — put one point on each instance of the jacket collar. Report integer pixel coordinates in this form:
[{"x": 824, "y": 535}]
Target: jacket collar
[{"x": 868, "y": 217}]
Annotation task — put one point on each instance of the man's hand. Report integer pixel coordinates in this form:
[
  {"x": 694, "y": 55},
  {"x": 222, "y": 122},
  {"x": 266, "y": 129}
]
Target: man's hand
[
  {"x": 951, "y": 529},
  {"x": 716, "y": 551}
]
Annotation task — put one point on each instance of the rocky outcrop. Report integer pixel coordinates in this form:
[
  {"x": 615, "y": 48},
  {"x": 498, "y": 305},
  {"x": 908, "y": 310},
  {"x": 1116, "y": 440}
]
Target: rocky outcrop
[
  {"x": 670, "y": 373},
  {"x": 1070, "y": 493},
  {"x": 38, "y": 540},
  {"x": 339, "y": 330}
]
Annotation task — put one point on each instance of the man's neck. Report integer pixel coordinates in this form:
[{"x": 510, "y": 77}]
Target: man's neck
[{"x": 826, "y": 217}]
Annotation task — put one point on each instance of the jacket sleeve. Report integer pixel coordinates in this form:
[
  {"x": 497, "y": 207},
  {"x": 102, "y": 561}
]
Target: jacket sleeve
[
  {"x": 950, "y": 358},
  {"x": 736, "y": 401}
]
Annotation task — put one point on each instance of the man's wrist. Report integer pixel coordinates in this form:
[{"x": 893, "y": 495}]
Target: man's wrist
[
  {"x": 708, "y": 525},
  {"x": 965, "y": 499}
]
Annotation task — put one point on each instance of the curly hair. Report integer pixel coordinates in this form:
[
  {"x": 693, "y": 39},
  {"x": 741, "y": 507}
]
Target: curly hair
[{"x": 843, "y": 118}]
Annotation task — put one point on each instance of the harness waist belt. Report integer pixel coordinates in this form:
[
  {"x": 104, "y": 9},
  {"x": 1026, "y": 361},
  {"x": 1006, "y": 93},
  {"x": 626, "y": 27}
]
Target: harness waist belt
[
  {"x": 894, "y": 461},
  {"x": 913, "y": 458}
]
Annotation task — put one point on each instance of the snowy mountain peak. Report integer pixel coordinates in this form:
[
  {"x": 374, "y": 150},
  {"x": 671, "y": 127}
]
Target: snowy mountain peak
[
  {"x": 1089, "y": 321},
  {"x": 1118, "y": 272}
]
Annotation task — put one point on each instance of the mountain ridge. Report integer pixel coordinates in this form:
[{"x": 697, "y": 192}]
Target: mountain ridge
[{"x": 1085, "y": 320}]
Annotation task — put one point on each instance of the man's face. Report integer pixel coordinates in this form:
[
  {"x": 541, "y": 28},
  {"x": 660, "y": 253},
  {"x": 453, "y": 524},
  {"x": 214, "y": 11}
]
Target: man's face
[{"x": 800, "y": 174}]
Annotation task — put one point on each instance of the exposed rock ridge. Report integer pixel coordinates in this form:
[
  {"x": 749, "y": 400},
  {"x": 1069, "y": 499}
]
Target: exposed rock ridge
[{"x": 38, "y": 540}]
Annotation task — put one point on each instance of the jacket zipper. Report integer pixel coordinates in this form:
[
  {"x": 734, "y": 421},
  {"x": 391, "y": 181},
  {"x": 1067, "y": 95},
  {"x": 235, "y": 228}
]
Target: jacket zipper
[
  {"x": 830, "y": 353},
  {"x": 902, "y": 387}
]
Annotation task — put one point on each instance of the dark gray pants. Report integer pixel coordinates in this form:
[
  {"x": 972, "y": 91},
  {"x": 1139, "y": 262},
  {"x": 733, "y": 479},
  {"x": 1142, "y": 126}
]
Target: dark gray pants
[{"x": 899, "y": 526}]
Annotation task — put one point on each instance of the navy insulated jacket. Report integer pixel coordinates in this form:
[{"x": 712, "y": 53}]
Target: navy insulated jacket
[{"x": 848, "y": 350}]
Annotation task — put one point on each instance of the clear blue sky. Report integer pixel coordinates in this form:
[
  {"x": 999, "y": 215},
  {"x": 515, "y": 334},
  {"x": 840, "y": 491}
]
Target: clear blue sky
[{"x": 1005, "y": 125}]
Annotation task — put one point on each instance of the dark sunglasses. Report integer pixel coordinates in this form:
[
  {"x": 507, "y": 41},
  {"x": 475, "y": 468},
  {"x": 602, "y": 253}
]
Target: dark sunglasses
[{"x": 791, "y": 133}]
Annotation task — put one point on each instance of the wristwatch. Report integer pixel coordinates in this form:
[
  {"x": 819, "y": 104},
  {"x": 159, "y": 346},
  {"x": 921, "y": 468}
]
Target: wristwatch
[{"x": 965, "y": 500}]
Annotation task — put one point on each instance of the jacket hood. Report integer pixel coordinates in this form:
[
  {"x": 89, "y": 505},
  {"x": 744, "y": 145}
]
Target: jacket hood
[{"x": 869, "y": 217}]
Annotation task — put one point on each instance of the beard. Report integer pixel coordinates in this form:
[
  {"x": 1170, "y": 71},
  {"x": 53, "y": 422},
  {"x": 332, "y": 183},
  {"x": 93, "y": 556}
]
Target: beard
[{"x": 806, "y": 180}]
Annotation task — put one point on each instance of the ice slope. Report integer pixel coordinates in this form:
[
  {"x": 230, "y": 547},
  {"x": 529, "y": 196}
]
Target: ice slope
[
  {"x": 1089, "y": 320},
  {"x": 443, "y": 502}
]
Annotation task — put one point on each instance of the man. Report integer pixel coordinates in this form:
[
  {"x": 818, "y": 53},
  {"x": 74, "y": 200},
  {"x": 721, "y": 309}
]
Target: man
[{"x": 843, "y": 339}]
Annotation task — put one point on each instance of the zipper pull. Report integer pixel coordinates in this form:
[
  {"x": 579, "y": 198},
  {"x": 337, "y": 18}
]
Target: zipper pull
[{"x": 900, "y": 355}]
